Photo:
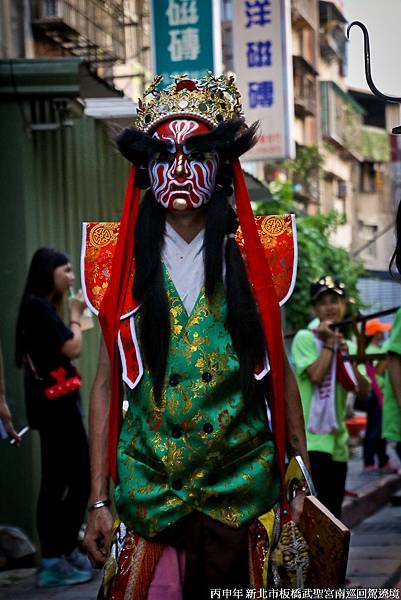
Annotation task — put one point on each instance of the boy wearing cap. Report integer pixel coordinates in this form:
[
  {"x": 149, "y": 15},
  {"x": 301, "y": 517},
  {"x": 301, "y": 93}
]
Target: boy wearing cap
[
  {"x": 391, "y": 429},
  {"x": 324, "y": 379}
]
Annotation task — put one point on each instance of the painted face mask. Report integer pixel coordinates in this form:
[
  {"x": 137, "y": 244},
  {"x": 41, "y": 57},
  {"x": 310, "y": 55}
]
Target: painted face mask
[{"x": 180, "y": 179}]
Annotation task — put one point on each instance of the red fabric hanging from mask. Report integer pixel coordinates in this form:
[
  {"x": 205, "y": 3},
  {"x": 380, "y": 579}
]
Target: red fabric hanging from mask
[
  {"x": 112, "y": 308},
  {"x": 269, "y": 309}
]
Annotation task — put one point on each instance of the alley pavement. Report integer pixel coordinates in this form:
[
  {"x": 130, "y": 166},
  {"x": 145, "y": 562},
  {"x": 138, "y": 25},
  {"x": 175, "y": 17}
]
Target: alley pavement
[
  {"x": 21, "y": 586},
  {"x": 375, "y": 551}
]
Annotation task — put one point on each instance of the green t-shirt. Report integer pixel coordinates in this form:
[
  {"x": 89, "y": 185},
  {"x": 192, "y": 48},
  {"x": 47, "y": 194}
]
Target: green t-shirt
[
  {"x": 391, "y": 428},
  {"x": 304, "y": 353}
]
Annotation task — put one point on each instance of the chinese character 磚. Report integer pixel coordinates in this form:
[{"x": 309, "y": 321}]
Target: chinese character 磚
[
  {"x": 260, "y": 93},
  {"x": 257, "y": 12},
  {"x": 182, "y": 12},
  {"x": 259, "y": 54},
  {"x": 184, "y": 44}
]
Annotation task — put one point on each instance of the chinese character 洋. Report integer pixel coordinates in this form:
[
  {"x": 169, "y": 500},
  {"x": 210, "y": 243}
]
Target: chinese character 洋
[
  {"x": 182, "y": 12},
  {"x": 184, "y": 44},
  {"x": 260, "y": 93},
  {"x": 257, "y": 12},
  {"x": 259, "y": 54}
]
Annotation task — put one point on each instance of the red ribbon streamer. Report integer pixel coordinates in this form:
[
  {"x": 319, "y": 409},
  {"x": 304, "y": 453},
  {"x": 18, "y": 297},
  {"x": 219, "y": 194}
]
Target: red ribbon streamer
[
  {"x": 112, "y": 308},
  {"x": 269, "y": 309}
]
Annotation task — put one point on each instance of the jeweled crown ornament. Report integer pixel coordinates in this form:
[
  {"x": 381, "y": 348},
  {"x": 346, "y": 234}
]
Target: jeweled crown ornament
[{"x": 211, "y": 99}]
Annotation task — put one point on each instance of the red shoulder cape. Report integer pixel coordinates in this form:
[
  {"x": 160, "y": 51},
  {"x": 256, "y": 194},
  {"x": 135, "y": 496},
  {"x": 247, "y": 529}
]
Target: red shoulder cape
[{"x": 277, "y": 234}]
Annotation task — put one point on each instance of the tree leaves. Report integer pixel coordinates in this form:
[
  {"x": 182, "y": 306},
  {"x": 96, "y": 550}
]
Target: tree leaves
[{"x": 317, "y": 256}]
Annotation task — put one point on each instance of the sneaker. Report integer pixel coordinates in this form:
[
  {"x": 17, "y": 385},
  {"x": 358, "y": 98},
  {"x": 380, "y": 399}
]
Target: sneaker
[
  {"x": 370, "y": 469},
  {"x": 80, "y": 562},
  {"x": 388, "y": 469},
  {"x": 57, "y": 572}
]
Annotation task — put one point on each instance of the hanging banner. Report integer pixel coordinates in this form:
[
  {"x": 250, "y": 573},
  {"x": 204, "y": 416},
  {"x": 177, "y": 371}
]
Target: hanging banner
[
  {"x": 186, "y": 38},
  {"x": 263, "y": 65}
]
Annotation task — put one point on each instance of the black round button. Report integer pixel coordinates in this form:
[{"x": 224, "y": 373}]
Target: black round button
[
  {"x": 176, "y": 432},
  {"x": 174, "y": 379},
  {"x": 177, "y": 484},
  {"x": 212, "y": 479},
  {"x": 207, "y": 377},
  {"x": 208, "y": 428}
]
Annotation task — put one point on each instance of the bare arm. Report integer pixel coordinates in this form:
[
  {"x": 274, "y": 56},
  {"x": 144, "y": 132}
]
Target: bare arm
[
  {"x": 394, "y": 371},
  {"x": 5, "y": 414},
  {"x": 98, "y": 427},
  {"x": 295, "y": 430},
  {"x": 72, "y": 348},
  {"x": 295, "y": 425},
  {"x": 381, "y": 368},
  {"x": 99, "y": 529},
  {"x": 317, "y": 370},
  {"x": 363, "y": 384}
]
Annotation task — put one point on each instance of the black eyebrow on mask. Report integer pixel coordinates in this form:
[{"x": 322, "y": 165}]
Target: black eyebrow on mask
[
  {"x": 138, "y": 146},
  {"x": 226, "y": 139}
]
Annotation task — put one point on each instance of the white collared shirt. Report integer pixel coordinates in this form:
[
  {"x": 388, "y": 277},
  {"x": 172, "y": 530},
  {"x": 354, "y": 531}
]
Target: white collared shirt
[{"x": 185, "y": 264}]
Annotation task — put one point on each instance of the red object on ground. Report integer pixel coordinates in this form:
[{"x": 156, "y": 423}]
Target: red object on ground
[
  {"x": 356, "y": 425},
  {"x": 351, "y": 494}
]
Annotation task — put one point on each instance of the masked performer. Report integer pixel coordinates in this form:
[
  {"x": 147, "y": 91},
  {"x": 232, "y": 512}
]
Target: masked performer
[{"x": 193, "y": 330}]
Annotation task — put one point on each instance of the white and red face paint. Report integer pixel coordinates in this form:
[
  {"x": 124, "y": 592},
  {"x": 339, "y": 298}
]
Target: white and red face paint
[{"x": 181, "y": 179}]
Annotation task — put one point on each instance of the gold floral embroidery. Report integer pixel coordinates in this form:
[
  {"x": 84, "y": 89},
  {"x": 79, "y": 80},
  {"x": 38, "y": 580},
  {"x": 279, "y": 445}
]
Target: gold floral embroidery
[{"x": 205, "y": 436}]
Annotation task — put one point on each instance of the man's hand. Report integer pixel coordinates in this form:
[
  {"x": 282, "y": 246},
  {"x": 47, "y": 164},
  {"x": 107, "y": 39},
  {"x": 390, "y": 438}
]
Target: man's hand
[
  {"x": 342, "y": 344},
  {"x": 325, "y": 333},
  {"x": 297, "y": 506},
  {"x": 97, "y": 538},
  {"x": 5, "y": 416},
  {"x": 331, "y": 336}
]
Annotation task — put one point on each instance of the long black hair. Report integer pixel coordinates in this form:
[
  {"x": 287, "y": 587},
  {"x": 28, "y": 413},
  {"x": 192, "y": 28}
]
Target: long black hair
[
  {"x": 243, "y": 321},
  {"x": 39, "y": 284},
  {"x": 229, "y": 140}
]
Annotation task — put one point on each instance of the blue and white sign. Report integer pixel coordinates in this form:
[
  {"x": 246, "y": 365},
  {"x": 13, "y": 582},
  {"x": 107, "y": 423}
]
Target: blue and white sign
[
  {"x": 186, "y": 37},
  {"x": 263, "y": 65}
]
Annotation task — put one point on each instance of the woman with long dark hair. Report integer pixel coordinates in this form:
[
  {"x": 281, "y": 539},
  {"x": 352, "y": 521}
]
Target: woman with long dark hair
[{"x": 45, "y": 348}]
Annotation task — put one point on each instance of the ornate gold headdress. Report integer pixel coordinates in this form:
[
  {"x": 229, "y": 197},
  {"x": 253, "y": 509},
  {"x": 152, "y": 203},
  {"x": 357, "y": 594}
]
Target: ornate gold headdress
[{"x": 212, "y": 99}]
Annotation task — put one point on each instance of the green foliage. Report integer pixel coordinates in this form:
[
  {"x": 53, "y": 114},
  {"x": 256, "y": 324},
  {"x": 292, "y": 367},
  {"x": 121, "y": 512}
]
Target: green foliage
[
  {"x": 306, "y": 165},
  {"x": 302, "y": 172},
  {"x": 375, "y": 144},
  {"x": 280, "y": 200},
  {"x": 316, "y": 255}
]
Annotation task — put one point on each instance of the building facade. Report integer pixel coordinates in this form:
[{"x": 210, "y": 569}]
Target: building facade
[
  {"x": 59, "y": 168},
  {"x": 112, "y": 37}
]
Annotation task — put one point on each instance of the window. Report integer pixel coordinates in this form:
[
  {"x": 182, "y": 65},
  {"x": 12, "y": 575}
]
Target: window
[
  {"x": 367, "y": 235},
  {"x": 368, "y": 178}
]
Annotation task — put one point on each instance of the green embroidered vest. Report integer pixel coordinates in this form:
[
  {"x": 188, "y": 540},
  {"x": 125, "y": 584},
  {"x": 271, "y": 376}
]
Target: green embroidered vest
[{"x": 205, "y": 449}]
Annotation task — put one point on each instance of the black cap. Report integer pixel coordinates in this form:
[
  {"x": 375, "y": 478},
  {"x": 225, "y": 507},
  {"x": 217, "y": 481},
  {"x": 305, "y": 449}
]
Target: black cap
[{"x": 326, "y": 284}]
